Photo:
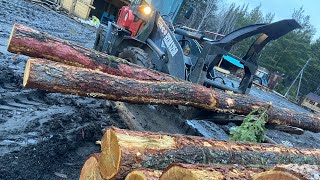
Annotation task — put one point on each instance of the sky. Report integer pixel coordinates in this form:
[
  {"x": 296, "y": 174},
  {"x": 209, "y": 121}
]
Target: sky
[{"x": 283, "y": 9}]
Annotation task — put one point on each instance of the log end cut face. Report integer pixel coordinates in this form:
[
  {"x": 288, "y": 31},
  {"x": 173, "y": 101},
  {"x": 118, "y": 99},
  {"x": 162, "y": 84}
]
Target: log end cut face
[
  {"x": 110, "y": 155},
  {"x": 136, "y": 175},
  {"x": 90, "y": 169},
  {"x": 177, "y": 172},
  {"x": 10, "y": 38},
  {"x": 26, "y": 73},
  {"x": 118, "y": 148},
  {"x": 276, "y": 175}
]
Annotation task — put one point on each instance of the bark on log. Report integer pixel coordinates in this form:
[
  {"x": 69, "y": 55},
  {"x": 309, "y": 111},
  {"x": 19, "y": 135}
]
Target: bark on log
[
  {"x": 144, "y": 174},
  {"x": 124, "y": 150},
  {"x": 30, "y": 42},
  {"x": 289, "y": 129},
  {"x": 291, "y": 172},
  {"x": 206, "y": 172},
  {"x": 90, "y": 169},
  {"x": 57, "y": 77},
  {"x": 127, "y": 117}
]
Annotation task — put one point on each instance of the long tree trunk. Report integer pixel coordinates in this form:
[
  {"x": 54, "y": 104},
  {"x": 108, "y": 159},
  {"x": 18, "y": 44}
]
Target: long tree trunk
[
  {"x": 124, "y": 150},
  {"x": 144, "y": 174},
  {"x": 90, "y": 169},
  {"x": 57, "y": 77},
  {"x": 291, "y": 172},
  {"x": 207, "y": 172},
  {"x": 30, "y": 42}
]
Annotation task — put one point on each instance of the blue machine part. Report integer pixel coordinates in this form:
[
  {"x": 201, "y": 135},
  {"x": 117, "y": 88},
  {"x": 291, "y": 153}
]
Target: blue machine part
[
  {"x": 106, "y": 17},
  {"x": 233, "y": 61},
  {"x": 167, "y": 7}
]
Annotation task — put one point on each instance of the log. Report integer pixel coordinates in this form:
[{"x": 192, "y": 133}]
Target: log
[
  {"x": 267, "y": 139},
  {"x": 128, "y": 118},
  {"x": 30, "y": 42},
  {"x": 144, "y": 174},
  {"x": 289, "y": 129},
  {"x": 291, "y": 172},
  {"x": 90, "y": 169},
  {"x": 123, "y": 151},
  {"x": 58, "y": 77},
  {"x": 207, "y": 172}
]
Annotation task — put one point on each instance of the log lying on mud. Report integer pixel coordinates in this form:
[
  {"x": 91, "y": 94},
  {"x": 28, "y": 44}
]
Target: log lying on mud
[
  {"x": 30, "y": 42},
  {"x": 127, "y": 117},
  {"x": 58, "y": 77},
  {"x": 144, "y": 174},
  {"x": 90, "y": 169},
  {"x": 291, "y": 172},
  {"x": 123, "y": 151},
  {"x": 207, "y": 172}
]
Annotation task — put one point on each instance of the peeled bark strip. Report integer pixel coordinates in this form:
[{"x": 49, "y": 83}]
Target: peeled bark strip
[
  {"x": 123, "y": 151},
  {"x": 90, "y": 169},
  {"x": 144, "y": 174},
  {"x": 30, "y": 42},
  {"x": 206, "y": 172},
  {"x": 291, "y": 172},
  {"x": 57, "y": 77}
]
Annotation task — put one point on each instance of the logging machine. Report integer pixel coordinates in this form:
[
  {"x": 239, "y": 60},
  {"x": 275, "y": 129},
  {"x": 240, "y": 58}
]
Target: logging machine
[{"x": 145, "y": 37}]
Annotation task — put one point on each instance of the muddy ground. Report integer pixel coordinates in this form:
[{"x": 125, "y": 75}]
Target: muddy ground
[{"x": 47, "y": 135}]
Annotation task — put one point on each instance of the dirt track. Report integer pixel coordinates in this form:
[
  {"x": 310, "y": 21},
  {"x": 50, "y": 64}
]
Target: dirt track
[
  {"x": 47, "y": 136},
  {"x": 42, "y": 135}
]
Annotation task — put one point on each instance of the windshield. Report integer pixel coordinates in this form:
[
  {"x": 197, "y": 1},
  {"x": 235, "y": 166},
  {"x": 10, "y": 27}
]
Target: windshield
[{"x": 166, "y": 7}]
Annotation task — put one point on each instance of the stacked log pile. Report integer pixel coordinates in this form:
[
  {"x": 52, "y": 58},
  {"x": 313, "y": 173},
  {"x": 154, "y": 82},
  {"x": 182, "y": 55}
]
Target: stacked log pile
[
  {"x": 60, "y": 66},
  {"x": 142, "y": 155}
]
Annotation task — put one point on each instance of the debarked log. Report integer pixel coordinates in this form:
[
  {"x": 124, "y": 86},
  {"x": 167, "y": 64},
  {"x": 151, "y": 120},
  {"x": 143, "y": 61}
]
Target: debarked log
[
  {"x": 123, "y": 151},
  {"x": 144, "y": 174},
  {"x": 58, "y": 77},
  {"x": 30, "y": 42},
  {"x": 207, "y": 172}
]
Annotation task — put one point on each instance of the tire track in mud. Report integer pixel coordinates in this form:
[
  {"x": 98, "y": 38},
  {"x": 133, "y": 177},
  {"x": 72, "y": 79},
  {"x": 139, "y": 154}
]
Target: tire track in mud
[
  {"x": 47, "y": 132},
  {"x": 55, "y": 125}
]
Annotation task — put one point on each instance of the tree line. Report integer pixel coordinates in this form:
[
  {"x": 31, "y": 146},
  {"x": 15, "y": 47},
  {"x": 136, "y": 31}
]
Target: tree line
[{"x": 286, "y": 55}]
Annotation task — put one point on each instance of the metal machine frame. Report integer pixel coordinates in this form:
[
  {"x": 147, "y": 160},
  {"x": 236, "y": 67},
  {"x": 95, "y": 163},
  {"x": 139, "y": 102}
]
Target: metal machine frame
[{"x": 160, "y": 39}]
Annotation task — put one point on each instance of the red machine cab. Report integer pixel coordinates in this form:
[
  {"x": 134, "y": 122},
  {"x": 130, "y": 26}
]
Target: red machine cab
[{"x": 129, "y": 21}]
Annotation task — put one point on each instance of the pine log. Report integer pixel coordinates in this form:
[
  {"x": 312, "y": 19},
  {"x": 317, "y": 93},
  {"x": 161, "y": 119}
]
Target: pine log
[
  {"x": 90, "y": 169},
  {"x": 123, "y": 151},
  {"x": 207, "y": 172},
  {"x": 30, "y": 42},
  {"x": 291, "y": 172},
  {"x": 58, "y": 77},
  {"x": 144, "y": 174},
  {"x": 127, "y": 117}
]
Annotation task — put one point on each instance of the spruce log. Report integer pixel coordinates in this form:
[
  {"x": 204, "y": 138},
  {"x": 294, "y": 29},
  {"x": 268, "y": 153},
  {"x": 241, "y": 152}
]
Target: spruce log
[
  {"x": 207, "y": 172},
  {"x": 291, "y": 172},
  {"x": 58, "y": 77},
  {"x": 90, "y": 169},
  {"x": 123, "y": 151},
  {"x": 30, "y": 42},
  {"x": 144, "y": 174}
]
